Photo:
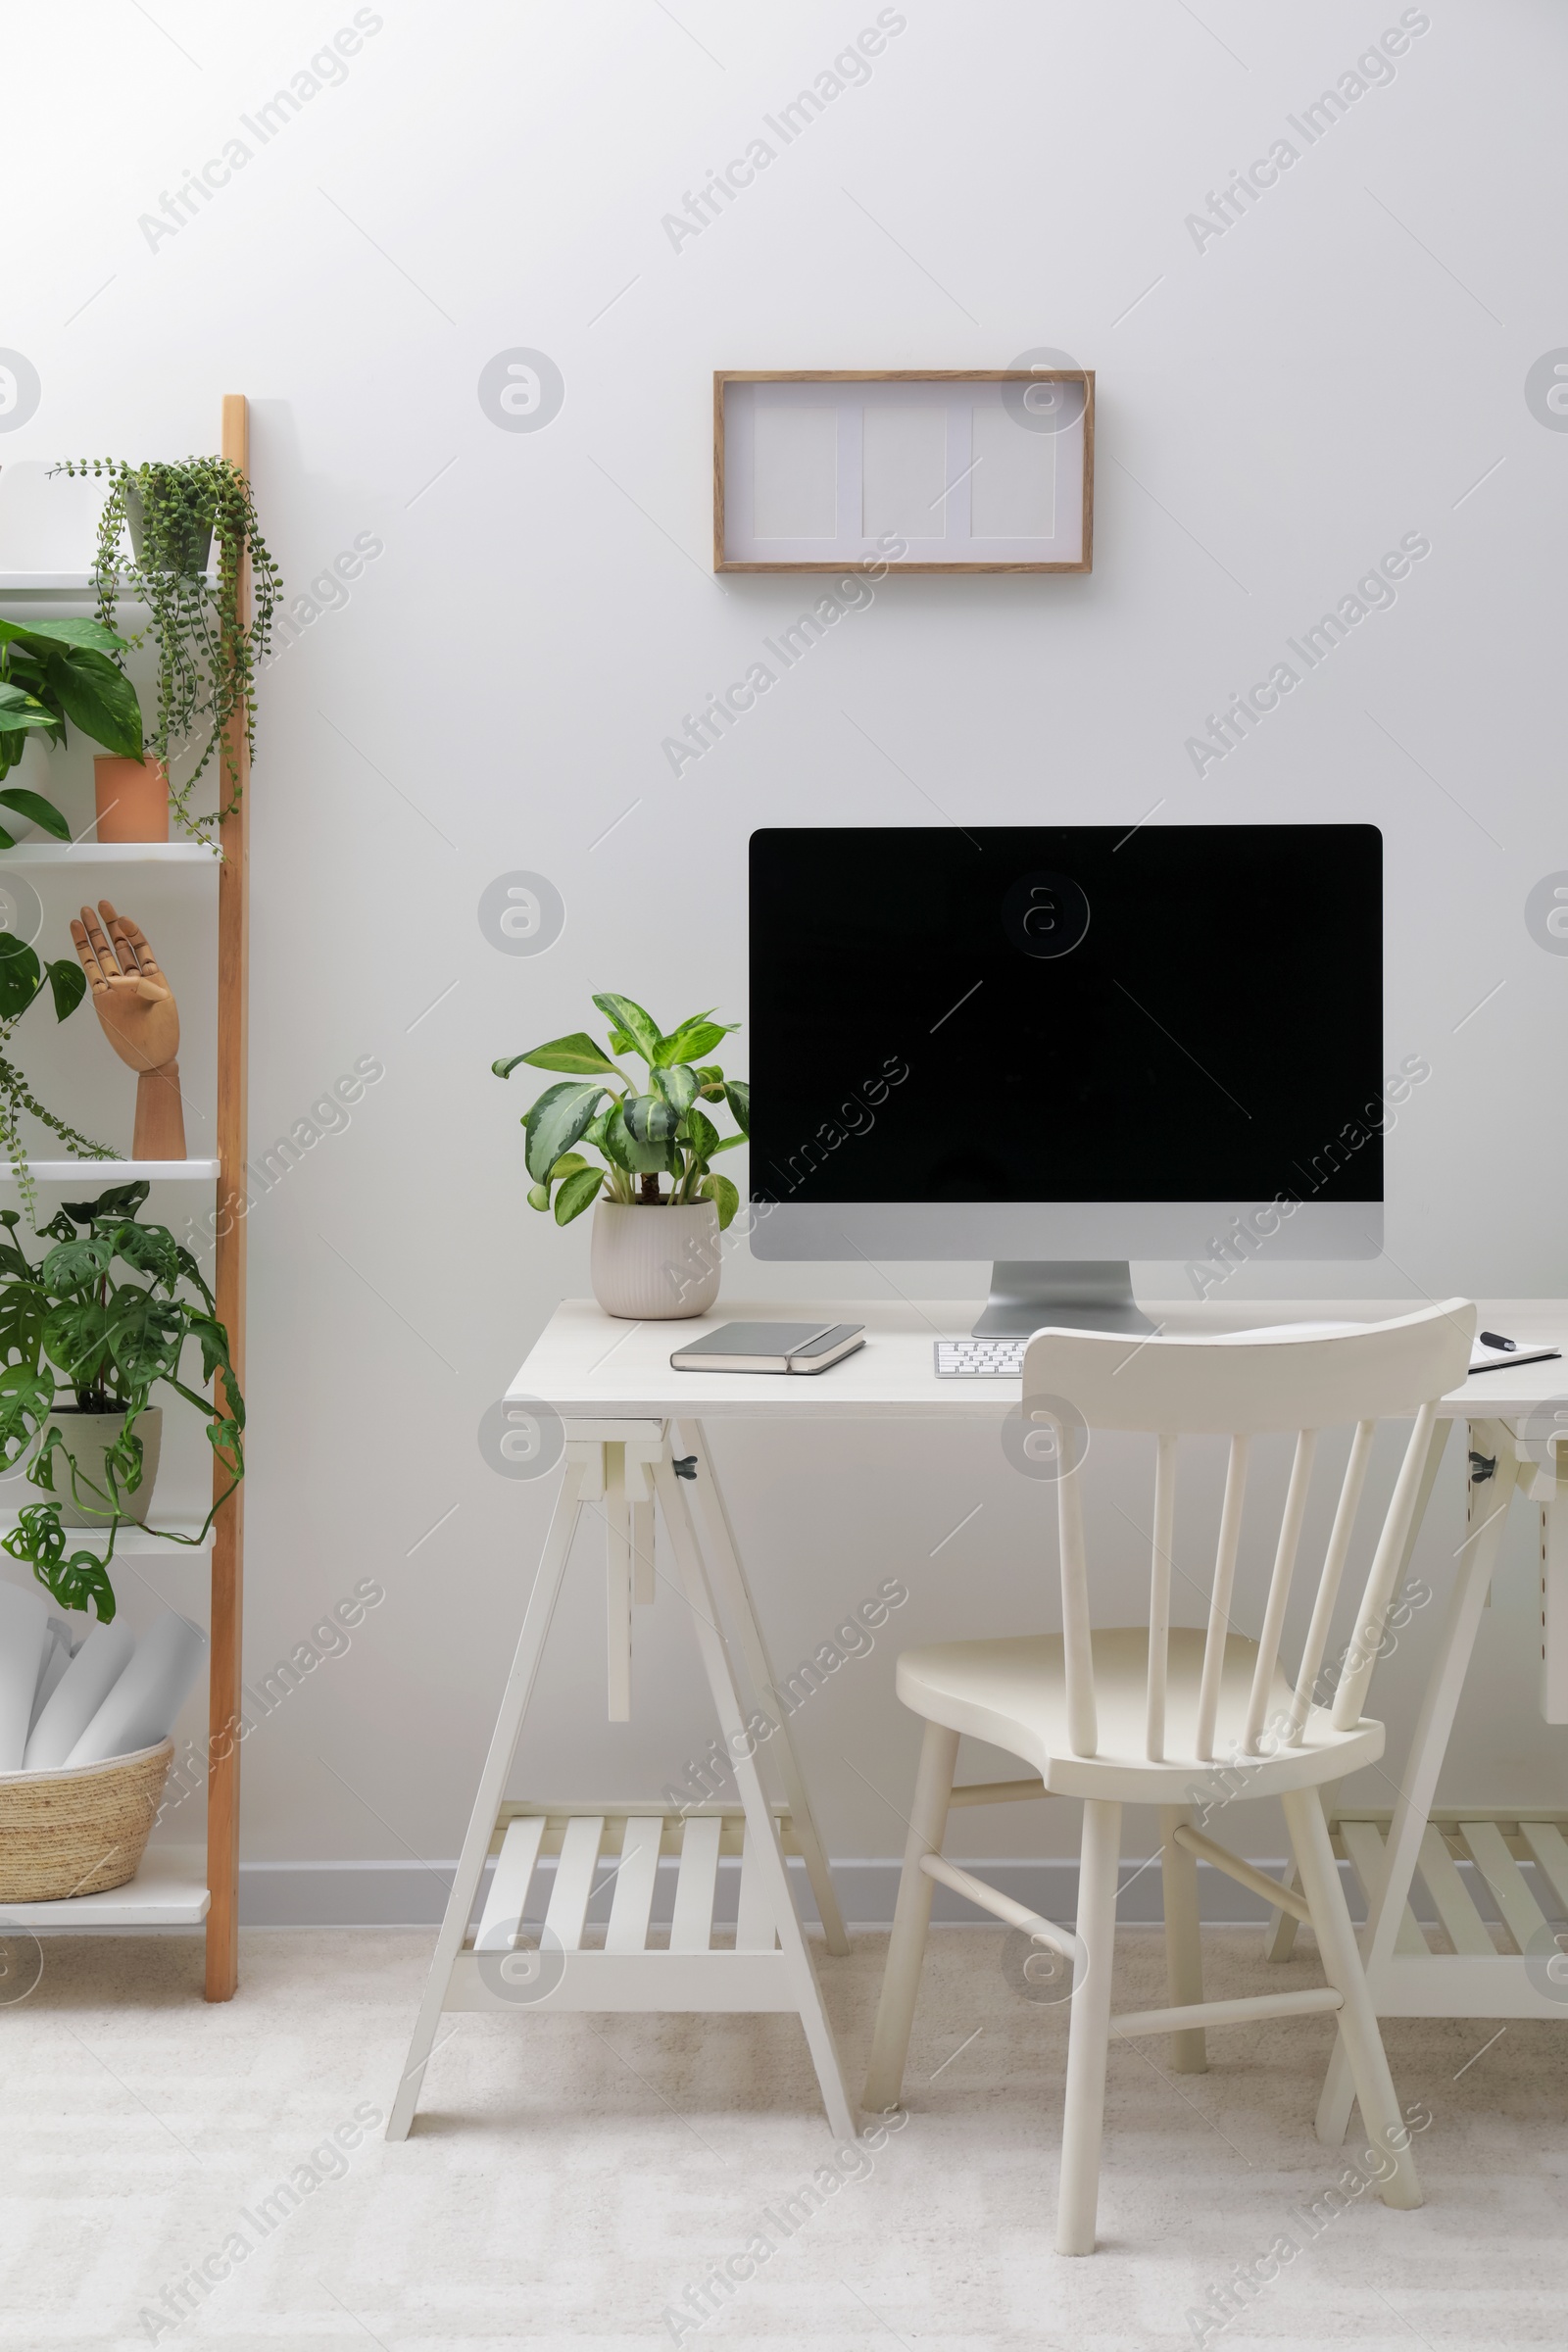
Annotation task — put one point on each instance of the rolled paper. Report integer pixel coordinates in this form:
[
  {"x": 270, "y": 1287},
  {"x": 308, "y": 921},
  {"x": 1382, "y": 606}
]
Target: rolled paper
[
  {"x": 81, "y": 1690},
  {"x": 57, "y": 1657},
  {"x": 24, "y": 1642},
  {"x": 142, "y": 1708}
]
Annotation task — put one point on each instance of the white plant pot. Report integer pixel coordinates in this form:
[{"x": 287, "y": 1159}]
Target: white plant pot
[{"x": 651, "y": 1263}]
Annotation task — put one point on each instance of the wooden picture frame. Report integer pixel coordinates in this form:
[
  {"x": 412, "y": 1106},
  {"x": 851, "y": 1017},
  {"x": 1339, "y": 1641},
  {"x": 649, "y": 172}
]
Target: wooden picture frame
[{"x": 847, "y": 491}]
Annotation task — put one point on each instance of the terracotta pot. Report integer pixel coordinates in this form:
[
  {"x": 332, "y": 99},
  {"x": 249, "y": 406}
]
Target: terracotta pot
[
  {"x": 132, "y": 798},
  {"x": 657, "y": 1264}
]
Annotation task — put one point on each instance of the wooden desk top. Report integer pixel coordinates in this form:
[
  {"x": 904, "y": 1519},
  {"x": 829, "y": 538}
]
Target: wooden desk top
[{"x": 589, "y": 1367}]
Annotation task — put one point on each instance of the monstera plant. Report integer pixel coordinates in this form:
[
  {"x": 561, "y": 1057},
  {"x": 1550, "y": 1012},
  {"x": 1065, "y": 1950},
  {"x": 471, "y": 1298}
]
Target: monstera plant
[
  {"x": 644, "y": 1130},
  {"x": 89, "y": 1333}
]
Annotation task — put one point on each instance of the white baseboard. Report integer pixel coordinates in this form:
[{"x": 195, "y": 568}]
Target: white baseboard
[{"x": 387, "y": 1894}]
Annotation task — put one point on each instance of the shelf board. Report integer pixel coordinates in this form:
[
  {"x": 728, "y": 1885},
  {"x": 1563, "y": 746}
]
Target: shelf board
[
  {"x": 67, "y": 584},
  {"x": 117, "y": 1171},
  {"x": 47, "y": 583},
  {"x": 170, "y": 1890},
  {"x": 132, "y": 1542},
  {"x": 110, "y": 853}
]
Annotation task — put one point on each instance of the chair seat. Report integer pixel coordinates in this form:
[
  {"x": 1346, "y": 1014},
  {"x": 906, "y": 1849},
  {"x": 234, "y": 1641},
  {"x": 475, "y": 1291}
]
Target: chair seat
[{"x": 1012, "y": 1693}]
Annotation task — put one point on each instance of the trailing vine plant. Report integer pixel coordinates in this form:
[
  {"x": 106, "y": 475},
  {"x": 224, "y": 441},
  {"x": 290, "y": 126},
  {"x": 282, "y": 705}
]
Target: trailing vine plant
[
  {"x": 207, "y": 659},
  {"x": 23, "y": 979}
]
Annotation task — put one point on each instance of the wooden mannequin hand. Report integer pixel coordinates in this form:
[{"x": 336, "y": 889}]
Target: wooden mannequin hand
[
  {"x": 137, "y": 1014},
  {"x": 135, "y": 1003}
]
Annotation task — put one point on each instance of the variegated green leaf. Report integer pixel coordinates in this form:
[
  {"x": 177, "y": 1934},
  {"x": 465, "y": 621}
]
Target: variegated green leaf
[
  {"x": 678, "y": 1086},
  {"x": 576, "y": 1052},
  {"x": 722, "y": 1193},
  {"x": 630, "y": 1019},
  {"x": 636, "y": 1158},
  {"x": 556, "y": 1122},
  {"x": 650, "y": 1120},
  {"x": 580, "y": 1189},
  {"x": 701, "y": 1133}
]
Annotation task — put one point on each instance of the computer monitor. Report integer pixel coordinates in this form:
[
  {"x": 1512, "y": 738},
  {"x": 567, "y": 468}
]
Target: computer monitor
[{"x": 1064, "y": 1046}]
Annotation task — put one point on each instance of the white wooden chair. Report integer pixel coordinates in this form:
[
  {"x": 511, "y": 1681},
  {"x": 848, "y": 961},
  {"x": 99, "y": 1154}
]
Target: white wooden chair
[{"x": 1145, "y": 1714}]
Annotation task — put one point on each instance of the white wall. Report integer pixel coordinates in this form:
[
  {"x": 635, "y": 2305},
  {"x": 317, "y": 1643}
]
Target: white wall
[{"x": 1343, "y": 366}]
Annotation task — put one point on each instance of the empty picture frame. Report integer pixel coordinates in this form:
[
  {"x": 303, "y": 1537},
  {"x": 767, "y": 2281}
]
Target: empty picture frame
[{"x": 923, "y": 469}]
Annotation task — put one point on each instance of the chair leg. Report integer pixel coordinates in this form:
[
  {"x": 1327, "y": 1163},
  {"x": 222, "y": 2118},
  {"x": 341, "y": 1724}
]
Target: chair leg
[
  {"x": 1385, "y": 2128},
  {"x": 1089, "y": 2030},
  {"x": 1279, "y": 1936},
  {"x": 1184, "y": 1956},
  {"x": 900, "y": 1981}
]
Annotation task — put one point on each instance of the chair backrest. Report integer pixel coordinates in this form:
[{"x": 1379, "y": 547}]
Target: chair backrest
[{"x": 1078, "y": 1381}]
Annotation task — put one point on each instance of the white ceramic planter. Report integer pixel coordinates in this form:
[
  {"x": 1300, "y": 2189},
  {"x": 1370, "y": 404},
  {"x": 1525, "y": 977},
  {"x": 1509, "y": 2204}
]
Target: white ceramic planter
[
  {"x": 652, "y": 1263},
  {"x": 89, "y": 1437}
]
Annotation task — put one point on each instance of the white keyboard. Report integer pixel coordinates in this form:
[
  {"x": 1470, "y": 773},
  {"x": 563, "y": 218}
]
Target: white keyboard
[{"x": 980, "y": 1359}]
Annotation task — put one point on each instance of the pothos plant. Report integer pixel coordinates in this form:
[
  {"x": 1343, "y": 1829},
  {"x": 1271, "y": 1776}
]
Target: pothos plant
[
  {"x": 52, "y": 671},
  {"x": 69, "y": 1324},
  {"x": 23, "y": 980},
  {"x": 641, "y": 1132},
  {"x": 207, "y": 655}
]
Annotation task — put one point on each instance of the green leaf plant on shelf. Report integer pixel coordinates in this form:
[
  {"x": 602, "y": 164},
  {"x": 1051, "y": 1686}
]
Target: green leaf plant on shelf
[
  {"x": 643, "y": 1133},
  {"x": 73, "y": 1327},
  {"x": 207, "y": 655},
  {"x": 23, "y": 980},
  {"x": 52, "y": 671}
]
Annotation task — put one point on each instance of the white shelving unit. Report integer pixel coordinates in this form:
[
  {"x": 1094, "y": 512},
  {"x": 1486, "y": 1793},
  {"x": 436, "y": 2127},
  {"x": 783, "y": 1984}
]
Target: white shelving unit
[
  {"x": 132, "y": 1543},
  {"x": 109, "y": 852},
  {"x": 117, "y": 1171},
  {"x": 170, "y": 1890},
  {"x": 176, "y": 1887},
  {"x": 48, "y": 583}
]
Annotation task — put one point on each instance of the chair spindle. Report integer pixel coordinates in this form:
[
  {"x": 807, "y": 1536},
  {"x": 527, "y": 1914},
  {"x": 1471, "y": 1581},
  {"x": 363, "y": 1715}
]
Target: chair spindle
[
  {"x": 1328, "y": 1591},
  {"x": 1279, "y": 1589},
  {"x": 1160, "y": 1600},
  {"x": 1219, "y": 1605}
]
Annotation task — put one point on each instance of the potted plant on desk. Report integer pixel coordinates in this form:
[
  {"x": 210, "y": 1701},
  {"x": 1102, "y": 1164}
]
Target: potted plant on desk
[{"x": 664, "y": 1265}]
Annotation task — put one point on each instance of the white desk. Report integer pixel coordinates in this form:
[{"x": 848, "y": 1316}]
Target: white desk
[{"x": 602, "y": 1396}]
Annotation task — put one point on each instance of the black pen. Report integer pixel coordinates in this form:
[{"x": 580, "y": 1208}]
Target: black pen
[{"x": 1494, "y": 1339}]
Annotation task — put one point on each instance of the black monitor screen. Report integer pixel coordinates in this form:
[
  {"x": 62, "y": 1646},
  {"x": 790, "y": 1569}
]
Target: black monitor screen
[{"x": 1011, "y": 1012}]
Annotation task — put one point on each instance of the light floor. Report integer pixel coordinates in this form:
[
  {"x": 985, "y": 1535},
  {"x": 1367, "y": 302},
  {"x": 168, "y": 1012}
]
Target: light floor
[{"x": 570, "y": 2178}]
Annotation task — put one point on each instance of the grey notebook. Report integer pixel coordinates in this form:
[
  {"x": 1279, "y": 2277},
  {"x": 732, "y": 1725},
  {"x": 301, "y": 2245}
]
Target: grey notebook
[{"x": 770, "y": 1348}]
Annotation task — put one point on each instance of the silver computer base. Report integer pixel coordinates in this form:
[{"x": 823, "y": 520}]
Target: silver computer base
[{"x": 1079, "y": 1293}]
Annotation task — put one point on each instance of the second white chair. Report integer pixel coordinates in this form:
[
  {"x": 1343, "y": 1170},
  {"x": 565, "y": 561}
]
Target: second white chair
[{"x": 1141, "y": 1714}]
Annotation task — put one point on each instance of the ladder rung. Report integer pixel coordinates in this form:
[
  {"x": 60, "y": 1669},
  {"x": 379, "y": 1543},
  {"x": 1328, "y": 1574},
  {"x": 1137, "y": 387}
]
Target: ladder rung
[
  {"x": 1365, "y": 1844},
  {"x": 632, "y": 1902},
  {"x": 510, "y": 1880},
  {"x": 1522, "y": 1915},
  {"x": 1466, "y": 1929},
  {"x": 755, "y": 1931},
  {"x": 574, "y": 1879},
  {"x": 691, "y": 1925},
  {"x": 1545, "y": 1843}
]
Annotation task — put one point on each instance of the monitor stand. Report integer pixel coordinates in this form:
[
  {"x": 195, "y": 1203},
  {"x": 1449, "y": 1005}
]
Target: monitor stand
[{"x": 1079, "y": 1293}]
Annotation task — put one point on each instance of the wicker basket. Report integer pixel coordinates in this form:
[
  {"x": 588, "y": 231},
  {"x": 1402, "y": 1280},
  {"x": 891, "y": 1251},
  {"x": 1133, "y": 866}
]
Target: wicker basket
[{"x": 79, "y": 1832}]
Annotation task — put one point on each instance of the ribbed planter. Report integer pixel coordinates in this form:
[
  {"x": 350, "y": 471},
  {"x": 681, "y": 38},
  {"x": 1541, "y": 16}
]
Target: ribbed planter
[
  {"x": 89, "y": 1436},
  {"x": 79, "y": 1832},
  {"x": 655, "y": 1264}
]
